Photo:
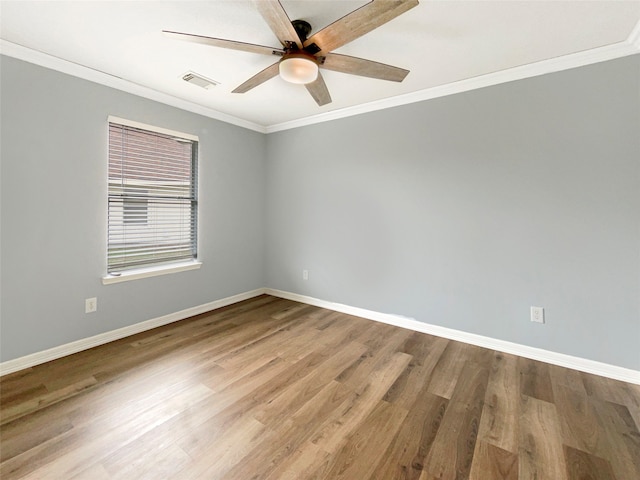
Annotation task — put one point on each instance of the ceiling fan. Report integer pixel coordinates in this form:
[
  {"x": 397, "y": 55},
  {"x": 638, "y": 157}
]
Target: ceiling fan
[{"x": 301, "y": 57}]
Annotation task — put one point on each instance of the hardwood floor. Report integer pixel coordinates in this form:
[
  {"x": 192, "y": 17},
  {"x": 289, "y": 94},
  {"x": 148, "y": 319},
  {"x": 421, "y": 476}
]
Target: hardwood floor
[{"x": 272, "y": 389}]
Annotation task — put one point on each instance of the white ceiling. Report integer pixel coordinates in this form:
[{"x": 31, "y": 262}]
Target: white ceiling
[{"x": 444, "y": 44}]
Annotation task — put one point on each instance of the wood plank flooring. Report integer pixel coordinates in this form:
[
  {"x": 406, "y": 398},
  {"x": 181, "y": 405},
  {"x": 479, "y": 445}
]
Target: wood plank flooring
[{"x": 273, "y": 389}]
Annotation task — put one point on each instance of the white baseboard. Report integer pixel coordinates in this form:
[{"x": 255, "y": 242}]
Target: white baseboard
[
  {"x": 560, "y": 359},
  {"x": 37, "y": 358}
]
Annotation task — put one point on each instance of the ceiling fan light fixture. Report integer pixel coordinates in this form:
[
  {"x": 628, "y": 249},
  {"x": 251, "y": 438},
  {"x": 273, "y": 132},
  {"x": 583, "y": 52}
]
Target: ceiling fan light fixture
[{"x": 298, "y": 68}]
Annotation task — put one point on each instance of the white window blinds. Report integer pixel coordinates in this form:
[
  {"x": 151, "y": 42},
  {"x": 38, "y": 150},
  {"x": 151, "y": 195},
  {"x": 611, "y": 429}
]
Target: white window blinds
[{"x": 153, "y": 204}]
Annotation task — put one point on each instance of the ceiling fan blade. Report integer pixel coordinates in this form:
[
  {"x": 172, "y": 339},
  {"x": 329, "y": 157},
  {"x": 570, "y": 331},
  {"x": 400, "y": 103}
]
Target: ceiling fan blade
[
  {"x": 222, "y": 43},
  {"x": 359, "y": 22},
  {"x": 319, "y": 91},
  {"x": 278, "y": 20},
  {"x": 364, "y": 68},
  {"x": 259, "y": 78}
]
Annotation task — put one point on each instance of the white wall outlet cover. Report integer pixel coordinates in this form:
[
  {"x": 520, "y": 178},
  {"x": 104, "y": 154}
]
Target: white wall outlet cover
[
  {"x": 90, "y": 305},
  {"x": 537, "y": 314}
]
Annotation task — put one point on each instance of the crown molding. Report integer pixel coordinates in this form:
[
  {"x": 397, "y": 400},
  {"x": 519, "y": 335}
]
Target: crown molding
[
  {"x": 634, "y": 36},
  {"x": 601, "y": 54},
  {"x": 55, "y": 63},
  {"x": 579, "y": 59}
]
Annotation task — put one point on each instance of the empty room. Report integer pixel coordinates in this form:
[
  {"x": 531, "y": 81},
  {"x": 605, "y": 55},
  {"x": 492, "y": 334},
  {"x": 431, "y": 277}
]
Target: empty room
[{"x": 307, "y": 239}]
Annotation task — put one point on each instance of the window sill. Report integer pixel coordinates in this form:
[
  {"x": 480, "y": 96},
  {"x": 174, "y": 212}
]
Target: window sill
[{"x": 150, "y": 272}]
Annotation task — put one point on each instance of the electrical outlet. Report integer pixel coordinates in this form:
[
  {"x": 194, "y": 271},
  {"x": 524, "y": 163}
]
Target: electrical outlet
[
  {"x": 90, "y": 305},
  {"x": 537, "y": 314},
  {"x": 305, "y": 274}
]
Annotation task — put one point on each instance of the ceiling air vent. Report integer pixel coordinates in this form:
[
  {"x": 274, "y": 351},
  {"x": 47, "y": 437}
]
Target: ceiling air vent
[{"x": 199, "y": 80}]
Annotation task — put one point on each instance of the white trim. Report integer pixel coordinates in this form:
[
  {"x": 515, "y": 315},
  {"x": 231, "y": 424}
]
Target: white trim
[
  {"x": 37, "y": 358},
  {"x": 634, "y": 36},
  {"x": 560, "y": 359},
  {"x": 152, "y": 128},
  {"x": 609, "y": 52},
  {"x": 48, "y": 61},
  {"x": 543, "y": 67},
  {"x": 150, "y": 272}
]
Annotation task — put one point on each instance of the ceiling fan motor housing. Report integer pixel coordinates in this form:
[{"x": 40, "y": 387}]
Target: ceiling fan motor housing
[{"x": 302, "y": 28}]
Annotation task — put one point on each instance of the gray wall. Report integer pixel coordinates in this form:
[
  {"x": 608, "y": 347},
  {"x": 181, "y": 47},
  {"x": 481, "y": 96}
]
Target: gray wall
[
  {"x": 466, "y": 210},
  {"x": 461, "y": 211},
  {"x": 53, "y": 211}
]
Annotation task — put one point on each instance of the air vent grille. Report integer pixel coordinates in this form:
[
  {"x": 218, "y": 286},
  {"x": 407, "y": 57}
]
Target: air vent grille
[{"x": 199, "y": 80}]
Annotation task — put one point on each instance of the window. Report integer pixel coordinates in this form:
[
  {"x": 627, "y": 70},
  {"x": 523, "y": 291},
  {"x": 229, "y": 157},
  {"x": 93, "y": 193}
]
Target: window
[{"x": 153, "y": 204}]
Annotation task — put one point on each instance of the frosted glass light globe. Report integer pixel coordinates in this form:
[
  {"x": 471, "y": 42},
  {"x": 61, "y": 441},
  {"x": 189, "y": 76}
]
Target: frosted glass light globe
[{"x": 298, "y": 68}]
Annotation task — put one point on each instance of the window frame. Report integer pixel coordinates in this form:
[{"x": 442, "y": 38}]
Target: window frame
[{"x": 170, "y": 266}]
